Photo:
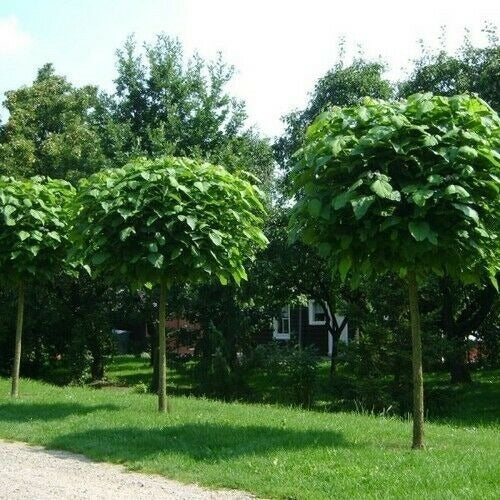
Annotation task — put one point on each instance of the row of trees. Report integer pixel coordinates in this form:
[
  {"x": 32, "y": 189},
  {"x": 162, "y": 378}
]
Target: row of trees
[
  {"x": 150, "y": 222},
  {"x": 165, "y": 103}
]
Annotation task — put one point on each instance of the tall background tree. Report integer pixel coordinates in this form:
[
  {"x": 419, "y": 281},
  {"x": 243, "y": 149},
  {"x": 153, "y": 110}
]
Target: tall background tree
[
  {"x": 50, "y": 129},
  {"x": 343, "y": 85}
]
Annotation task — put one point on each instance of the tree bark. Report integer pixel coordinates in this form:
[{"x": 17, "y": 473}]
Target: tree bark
[
  {"x": 97, "y": 367},
  {"x": 418, "y": 379},
  {"x": 19, "y": 332},
  {"x": 457, "y": 327},
  {"x": 459, "y": 371},
  {"x": 162, "y": 348}
]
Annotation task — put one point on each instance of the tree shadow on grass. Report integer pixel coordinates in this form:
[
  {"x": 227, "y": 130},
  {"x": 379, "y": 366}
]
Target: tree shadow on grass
[
  {"x": 18, "y": 411},
  {"x": 470, "y": 405},
  {"x": 201, "y": 442}
]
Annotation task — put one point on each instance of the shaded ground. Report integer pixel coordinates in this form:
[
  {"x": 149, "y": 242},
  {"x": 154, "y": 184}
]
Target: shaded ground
[{"x": 36, "y": 473}]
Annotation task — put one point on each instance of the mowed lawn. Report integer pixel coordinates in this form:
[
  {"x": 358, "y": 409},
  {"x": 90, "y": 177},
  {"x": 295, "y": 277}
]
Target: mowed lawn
[{"x": 270, "y": 451}]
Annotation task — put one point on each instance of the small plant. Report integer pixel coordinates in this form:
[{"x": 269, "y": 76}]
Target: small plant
[
  {"x": 140, "y": 388},
  {"x": 218, "y": 373},
  {"x": 295, "y": 369},
  {"x": 302, "y": 370}
]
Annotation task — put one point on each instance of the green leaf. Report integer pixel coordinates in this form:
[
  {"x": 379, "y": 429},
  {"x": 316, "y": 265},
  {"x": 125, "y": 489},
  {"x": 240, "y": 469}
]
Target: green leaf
[
  {"x": 125, "y": 233},
  {"x": 361, "y": 205},
  {"x": 216, "y": 239},
  {"x": 468, "y": 211},
  {"x": 37, "y": 215},
  {"x": 420, "y": 196},
  {"x": 381, "y": 188},
  {"x": 314, "y": 206},
  {"x": 341, "y": 200},
  {"x": 54, "y": 236},
  {"x": 23, "y": 235},
  {"x": 467, "y": 151},
  {"x": 199, "y": 185},
  {"x": 494, "y": 282},
  {"x": 156, "y": 259},
  {"x": 421, "y": 230},
  {"x": 458, "y": 190},
  {"x": 344, "y": 266},
  {"x": 176, "y": 253},
  {"x": 430, "y": 141},
  {"x": 435, "y": 179},
  {"x": 8, "y": 211},
  {"x": 125, "y": 212},
  {"x": 191, "y": 221}
]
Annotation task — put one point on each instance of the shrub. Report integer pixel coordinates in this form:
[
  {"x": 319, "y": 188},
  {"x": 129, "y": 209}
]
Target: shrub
[
  {"x": 218, "y": 373},
  {"x": 294, "y": 369}
]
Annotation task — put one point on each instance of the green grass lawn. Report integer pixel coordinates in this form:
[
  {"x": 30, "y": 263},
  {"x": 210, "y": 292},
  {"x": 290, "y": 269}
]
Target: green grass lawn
[
  {"x": 468, "y": 404},
  {"x": 270, "y": 451}
]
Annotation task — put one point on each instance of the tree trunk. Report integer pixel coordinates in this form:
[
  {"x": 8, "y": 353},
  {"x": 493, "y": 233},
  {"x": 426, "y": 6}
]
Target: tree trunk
[
  {"x": 333, "y": 358},
  {"x": 97, "y": 367},
  {"x": 459, "y": 371},
  {"x": 162, "y": 348},
  {"x": 457, "y": 329},
  {"x": 19, "y": 332},
  {"x": 418, "y": 379}
]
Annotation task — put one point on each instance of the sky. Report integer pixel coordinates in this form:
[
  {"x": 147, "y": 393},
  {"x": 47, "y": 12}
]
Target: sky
[{"x": 279, "y": 47}]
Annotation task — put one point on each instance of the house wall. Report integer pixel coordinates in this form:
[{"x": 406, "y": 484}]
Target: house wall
[{"x": 311, "y": 334}]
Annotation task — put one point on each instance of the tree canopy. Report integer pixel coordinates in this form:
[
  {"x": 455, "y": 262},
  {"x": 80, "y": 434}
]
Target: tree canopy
[
  {"x": 343, "y": 85},
  {"x": 167, "y": 103},
  {"x": 34, "y": 228},
  {"x": 173, "y": 218},
  {"x": 50, "y": 130},
  {"x": 411, "y": 184}
]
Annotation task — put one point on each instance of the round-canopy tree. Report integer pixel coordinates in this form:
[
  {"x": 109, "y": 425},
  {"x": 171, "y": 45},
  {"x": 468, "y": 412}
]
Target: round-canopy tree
[
  {"x": 410, "y": 187},
  {"x": 165, "y": 221},
  {"x": 34, "y": 239}
]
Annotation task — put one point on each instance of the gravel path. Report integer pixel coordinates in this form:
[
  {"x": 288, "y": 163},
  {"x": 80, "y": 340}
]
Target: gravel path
[{"x": 32, "y": 472}]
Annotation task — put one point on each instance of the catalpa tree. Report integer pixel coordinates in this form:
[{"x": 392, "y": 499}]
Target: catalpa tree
[
  {"x": 165, "y": 221},
  {"x": 34, "y": 239},
  {"x": 410, "y": 187}
]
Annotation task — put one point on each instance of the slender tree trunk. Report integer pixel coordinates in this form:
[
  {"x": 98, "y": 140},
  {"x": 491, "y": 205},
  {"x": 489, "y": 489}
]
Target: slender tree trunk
[
  {"x": 333, "y": 357},
  {"x": 459, "y": 372},
  {"x": 162, "y": 348},
  {"x": 19, "y": 332},
  {"x": 418, "y": 379}
]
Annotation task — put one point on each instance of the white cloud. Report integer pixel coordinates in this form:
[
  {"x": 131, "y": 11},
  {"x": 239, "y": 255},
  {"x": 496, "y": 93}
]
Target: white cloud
[{"x": 12, "y": 37}]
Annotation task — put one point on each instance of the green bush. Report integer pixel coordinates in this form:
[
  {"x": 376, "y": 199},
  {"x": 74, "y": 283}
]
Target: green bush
[
  {"x": 295, "y": 370},
  {"x": 218, "y": 372}
]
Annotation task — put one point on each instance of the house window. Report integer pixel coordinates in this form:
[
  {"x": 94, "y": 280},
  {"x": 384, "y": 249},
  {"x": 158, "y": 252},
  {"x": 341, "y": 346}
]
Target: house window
[
  {"x": 282, "y": 325},
  {"x": 316, "y": 313}
]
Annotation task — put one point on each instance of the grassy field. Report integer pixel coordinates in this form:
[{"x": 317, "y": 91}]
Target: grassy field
[{"x": 270, "y": 451}]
